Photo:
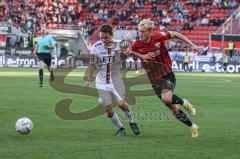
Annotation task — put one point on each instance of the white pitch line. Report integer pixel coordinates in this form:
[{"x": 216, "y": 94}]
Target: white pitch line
[
  {"x": 29, "y": 74},
  {"x": 205, "y": 79},
  {"x": 227, "y": 80},
  {"x": 209, "y": 74}
]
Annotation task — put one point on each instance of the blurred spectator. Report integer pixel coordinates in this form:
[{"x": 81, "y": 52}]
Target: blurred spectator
[
  {"x": 204, "y": 49},
  {"x": 186, "y": 61},
  {"x": 166, "y": 21},
  {"x": 86, "y": 14},
  {"x": 188, "y": 26},
  {"x": 231, "y": 47},
  {"x": 213, "y": 22},
  {"x": 154, "y": 8},
  {"x": 213, "y": 58},
  {"x": 63, "y": 52},
  {"x": 178, "y": 29},
  {"x": 204, "y": 21},
  {"x": 225, "y": 62}
]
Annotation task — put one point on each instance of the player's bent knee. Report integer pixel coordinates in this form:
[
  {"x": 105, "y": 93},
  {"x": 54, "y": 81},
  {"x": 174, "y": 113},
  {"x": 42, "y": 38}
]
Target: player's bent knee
[
  {"x": 122, "y": 104},
  {"x": 166, "y": 96},
  {"x": 174, "y": 109},
  {"x": 109, "y": 110},
  {"x": 166, "y": 99}
]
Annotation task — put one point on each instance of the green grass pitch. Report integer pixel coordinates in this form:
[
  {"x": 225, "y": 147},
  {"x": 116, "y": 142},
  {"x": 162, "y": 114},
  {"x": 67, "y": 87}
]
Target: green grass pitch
[{"x": 216, "y": 96}]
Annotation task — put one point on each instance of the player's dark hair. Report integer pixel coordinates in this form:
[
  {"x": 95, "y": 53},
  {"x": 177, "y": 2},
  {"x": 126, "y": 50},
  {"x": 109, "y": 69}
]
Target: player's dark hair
[{"x": 106, "y": 28}]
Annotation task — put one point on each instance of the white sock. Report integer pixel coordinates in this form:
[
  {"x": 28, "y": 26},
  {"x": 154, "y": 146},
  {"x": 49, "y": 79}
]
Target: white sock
[
  {"x": 129, "y": 115},
  {"x": 185, "y": 101},
  {"x": 194, "y": 125},
  {"x": 115, "y": 120}
]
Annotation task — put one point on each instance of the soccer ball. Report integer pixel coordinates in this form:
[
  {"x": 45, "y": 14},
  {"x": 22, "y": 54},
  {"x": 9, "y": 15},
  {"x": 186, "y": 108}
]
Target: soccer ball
[{"x": 24, "y": 126}]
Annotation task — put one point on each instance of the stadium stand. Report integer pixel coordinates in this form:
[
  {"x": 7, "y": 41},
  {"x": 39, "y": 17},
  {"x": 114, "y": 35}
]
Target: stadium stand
[{"x": 194, "y": 18}]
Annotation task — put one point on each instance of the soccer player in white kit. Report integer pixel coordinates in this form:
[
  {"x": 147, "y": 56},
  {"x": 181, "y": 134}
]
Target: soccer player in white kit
[{"x": 106, "y": 56}]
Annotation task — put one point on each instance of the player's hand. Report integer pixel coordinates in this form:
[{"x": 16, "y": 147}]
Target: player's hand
[
  {"x": 149, "y": 56},
  {"x": 125, "y": 51},
  {"x": 195, "y": 48},
  {"x": 88, "y": 83}
]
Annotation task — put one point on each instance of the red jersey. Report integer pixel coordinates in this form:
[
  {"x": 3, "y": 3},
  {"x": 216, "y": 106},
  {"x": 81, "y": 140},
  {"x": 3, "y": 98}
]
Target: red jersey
[{"x": 162, "y": 63}]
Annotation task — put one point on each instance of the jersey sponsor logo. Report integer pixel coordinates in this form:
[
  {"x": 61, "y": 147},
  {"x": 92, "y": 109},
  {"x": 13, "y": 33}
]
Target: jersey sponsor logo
[
  {"x": 108, "y": 59},
  {"x": 158, "y": 45}
]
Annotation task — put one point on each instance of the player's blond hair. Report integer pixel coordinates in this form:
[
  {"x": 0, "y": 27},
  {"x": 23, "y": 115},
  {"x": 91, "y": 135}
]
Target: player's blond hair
[{"x": 147, "y": 23}]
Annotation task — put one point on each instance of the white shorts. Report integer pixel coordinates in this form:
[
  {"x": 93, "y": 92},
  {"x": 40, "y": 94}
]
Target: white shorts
[{"x": 106, "y": 90}]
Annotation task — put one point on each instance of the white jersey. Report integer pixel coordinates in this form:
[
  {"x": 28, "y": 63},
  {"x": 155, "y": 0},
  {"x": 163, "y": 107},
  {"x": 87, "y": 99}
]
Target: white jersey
[{"x": 108, "y": 62}]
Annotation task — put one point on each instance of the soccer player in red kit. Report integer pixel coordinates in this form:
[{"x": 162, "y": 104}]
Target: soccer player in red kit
[{"x": 157, "y": 63}]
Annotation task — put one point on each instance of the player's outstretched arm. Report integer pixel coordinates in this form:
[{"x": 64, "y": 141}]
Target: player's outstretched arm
[
  {"x": 185, "y": 39},
  {"x": 149, "y": 56}
]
